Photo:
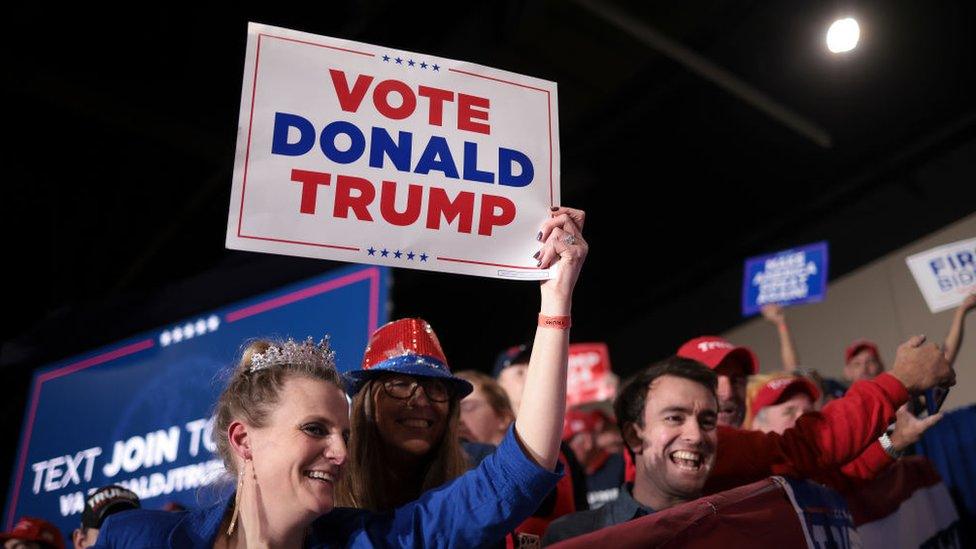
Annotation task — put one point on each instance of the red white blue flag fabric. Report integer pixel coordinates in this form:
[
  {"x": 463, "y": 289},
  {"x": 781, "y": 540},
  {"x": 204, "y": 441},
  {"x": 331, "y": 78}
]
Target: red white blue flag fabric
[
  {"x": 757, "y": 514},
  {"x": 906, "y": 506}
]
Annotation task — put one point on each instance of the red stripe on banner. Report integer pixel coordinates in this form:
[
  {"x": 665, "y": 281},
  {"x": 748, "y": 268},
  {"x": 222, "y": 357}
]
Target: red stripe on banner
[
  {"x": 884, "y": 495},
  {"x": 87, "y": 363},
  {"x": 457, "y": 260},
  {"x": 368, "y": 274},
  {"x": 35, "y": 399},
  {"x": 367, "y": 54}
]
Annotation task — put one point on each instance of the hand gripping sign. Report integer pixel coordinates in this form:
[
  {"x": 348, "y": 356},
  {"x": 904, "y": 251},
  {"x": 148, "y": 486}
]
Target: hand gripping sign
[{"x": 361, "y": 153}]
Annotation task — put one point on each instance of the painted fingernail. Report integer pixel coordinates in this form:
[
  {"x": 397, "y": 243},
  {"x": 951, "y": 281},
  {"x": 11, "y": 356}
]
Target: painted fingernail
[
  {"x": 539, "y": 236},
  {"x": 538, "y": 263},
  {"x": 536, "y": 255},
  {"x": 554, "y": 208}
]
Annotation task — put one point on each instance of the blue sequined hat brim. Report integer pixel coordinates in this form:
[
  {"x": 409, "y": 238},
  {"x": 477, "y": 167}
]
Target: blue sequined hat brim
[{"x": 411, "y": 365}]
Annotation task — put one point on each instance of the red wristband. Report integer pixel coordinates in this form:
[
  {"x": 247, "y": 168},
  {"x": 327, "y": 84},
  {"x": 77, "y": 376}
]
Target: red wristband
[{"x": 559, "y": 322}]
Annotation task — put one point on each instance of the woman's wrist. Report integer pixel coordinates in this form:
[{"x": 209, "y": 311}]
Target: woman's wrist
[
  {"x": 559, "y": 322},
  {"x": 553, "y": 305}
]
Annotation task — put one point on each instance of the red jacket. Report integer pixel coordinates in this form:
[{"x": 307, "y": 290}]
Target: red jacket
[{"x": 825, "y": 446}]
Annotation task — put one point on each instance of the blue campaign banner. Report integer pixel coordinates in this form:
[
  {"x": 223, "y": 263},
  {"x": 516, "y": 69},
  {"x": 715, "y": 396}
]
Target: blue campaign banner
[
  {"x": 798, "y": 275},
  {"x": 138, "y": 413},
  {"x": 823, "y": 514}
]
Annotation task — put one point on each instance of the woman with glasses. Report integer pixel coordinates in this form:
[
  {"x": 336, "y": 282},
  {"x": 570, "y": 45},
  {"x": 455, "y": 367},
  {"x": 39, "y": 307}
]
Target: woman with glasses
[
  {"x": 282, "y": 424},
  {"x": 405, "y": 419},
  {"x": 404, "y": 450}
]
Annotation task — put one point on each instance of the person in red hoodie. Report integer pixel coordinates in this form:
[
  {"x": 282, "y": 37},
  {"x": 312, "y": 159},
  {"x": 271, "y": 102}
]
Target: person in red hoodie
[{"x": 668, "y": 415}]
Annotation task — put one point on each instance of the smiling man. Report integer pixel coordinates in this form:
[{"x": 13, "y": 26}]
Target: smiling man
[
  {"x": 668, "y": 416},
  {"x": 669, "y": 413}
]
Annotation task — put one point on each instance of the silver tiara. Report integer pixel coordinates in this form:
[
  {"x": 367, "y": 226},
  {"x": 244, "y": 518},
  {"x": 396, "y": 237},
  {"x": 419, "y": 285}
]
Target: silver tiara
[{"x": 306, "y": 353}]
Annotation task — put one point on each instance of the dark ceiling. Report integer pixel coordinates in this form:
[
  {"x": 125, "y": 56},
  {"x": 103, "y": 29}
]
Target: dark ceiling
[{"x": 122, "y": 126}]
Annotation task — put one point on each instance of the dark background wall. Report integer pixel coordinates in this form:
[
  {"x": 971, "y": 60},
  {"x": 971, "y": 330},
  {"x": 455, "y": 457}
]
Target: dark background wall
[{"x": 121, "y": 127}]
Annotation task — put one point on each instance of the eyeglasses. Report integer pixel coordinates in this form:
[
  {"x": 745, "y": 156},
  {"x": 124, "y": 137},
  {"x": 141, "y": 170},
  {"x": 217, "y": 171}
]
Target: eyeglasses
[{"x": 405, "y": 388}]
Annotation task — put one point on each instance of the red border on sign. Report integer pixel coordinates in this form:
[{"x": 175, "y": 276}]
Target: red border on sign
[
  {"x": 458, "y": 260},
  {"x": 371, "y": 274},
  {"x": 247, "y": 153},
  {"x": 548, "y": 106}
]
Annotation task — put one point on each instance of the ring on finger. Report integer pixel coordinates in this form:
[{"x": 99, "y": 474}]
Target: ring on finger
[{"x": 568, "y": 239}]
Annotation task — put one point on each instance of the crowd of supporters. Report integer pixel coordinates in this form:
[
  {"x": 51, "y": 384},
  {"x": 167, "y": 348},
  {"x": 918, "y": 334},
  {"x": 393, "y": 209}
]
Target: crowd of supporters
[{"x": 424, "y": 456}]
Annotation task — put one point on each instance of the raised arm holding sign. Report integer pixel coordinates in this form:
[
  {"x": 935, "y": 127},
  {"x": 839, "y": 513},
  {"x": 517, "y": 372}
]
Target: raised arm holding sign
[{"x": 954, "y": 338}]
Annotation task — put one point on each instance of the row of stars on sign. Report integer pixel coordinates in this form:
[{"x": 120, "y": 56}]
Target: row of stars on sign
[
  {"x": 411, "y": 63},
  {"x": 397, "y": 254},
  {"x": 189, "y": 330}
]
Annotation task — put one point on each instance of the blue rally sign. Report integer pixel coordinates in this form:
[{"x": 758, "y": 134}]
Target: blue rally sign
[
  {"x": 792, "y": 276},
  {"x": 138, "y": 413}
]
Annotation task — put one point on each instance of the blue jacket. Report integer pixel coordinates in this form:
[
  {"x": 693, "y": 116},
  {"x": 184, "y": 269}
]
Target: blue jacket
[{"x": 476, "y": 509}]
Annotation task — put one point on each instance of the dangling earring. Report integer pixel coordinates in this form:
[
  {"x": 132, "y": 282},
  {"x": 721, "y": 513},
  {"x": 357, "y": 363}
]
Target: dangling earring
[{"x": 237, "y": 502}]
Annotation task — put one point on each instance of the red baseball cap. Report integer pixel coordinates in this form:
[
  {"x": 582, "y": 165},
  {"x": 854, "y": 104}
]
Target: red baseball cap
[
  {"x": 579, "y": 421},
  {"x": 775, "y": 389},
  {"x": 713, "y": 350},
  {"x": 35, "y": 529},
  {"x": 859, "y": 346}
]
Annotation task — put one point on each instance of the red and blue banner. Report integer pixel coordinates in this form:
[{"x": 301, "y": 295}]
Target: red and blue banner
[{"x": 138, "y": 413}]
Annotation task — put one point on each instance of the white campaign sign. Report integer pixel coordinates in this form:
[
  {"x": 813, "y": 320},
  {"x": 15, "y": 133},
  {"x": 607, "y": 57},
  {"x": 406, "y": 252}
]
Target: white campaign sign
[
  {"x": 362, "y": 153},
  {"x": 945, "y": 275}
]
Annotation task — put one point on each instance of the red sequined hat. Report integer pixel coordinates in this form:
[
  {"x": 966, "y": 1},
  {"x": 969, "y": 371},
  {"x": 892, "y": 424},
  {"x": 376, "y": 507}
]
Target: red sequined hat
[{"x": 407, "y": 346}]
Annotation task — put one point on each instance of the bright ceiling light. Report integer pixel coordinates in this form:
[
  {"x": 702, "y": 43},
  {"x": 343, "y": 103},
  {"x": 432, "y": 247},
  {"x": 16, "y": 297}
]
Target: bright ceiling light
[{"x": 843, "y": 35}]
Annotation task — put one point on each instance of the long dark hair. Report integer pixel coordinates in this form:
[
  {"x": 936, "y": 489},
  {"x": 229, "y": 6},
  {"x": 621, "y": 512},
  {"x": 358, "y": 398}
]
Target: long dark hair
[{"x": 369, "y": 482}]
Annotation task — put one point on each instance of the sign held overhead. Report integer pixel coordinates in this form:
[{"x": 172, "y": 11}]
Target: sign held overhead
[
  {"x": 946, "y": 274},
  {"x": 360, "y": 153}
]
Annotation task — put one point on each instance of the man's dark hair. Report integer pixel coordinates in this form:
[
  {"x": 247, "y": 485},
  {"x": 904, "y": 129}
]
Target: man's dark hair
[{"x": 630, "y": 401}]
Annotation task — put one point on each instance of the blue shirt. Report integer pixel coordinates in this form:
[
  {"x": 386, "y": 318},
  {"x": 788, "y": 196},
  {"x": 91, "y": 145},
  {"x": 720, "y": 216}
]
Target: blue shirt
[
  {"x": 603, "y": 485},
  {"x": 475, "y": 509},
  {"x": 622, "y": 509}
]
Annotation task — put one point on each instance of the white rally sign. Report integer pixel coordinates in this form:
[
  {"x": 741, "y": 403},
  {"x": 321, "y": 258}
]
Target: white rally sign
[
  {"x": 361, "y": 153},
  {"x": 945, "y": 275}
]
